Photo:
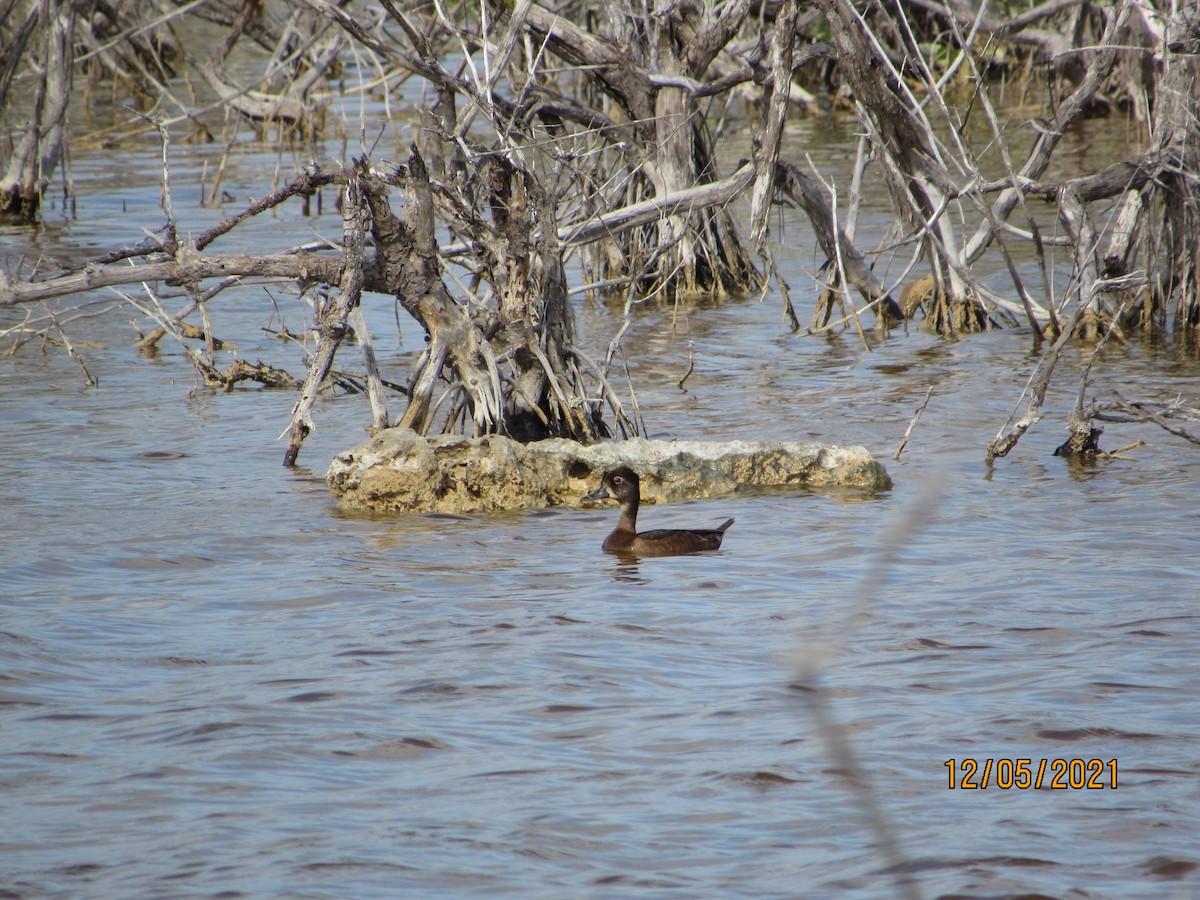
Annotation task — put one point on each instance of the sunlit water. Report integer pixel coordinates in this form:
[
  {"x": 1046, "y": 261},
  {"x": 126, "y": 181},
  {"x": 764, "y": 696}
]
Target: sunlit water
[{"x": 214, "y": 683}]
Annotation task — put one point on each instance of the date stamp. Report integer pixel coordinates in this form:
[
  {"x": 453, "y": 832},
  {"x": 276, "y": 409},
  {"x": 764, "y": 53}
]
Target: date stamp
[{"x": 969, "y": 774}]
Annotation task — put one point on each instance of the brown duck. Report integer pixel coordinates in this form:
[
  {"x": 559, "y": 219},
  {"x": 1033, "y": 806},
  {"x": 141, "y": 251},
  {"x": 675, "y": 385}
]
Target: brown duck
[{"x": 622, "y": 484}]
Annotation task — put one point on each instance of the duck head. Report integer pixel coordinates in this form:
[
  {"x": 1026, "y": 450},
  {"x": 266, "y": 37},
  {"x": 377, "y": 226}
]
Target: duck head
[{"x": 621, "y": 484}]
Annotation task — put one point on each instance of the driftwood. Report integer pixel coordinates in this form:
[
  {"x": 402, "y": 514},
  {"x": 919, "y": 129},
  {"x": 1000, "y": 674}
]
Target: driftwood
[
  {"x": 240, "y": 370},
  {"x": 187, "y": 267}
]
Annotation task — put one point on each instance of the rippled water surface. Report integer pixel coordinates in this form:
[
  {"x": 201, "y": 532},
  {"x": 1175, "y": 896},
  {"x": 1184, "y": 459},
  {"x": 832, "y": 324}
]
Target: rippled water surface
[{"x": 214, "y": 683}]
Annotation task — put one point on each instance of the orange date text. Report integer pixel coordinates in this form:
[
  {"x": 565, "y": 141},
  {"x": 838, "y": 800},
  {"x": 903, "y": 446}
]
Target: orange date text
[{"x": 971, "y": 774}]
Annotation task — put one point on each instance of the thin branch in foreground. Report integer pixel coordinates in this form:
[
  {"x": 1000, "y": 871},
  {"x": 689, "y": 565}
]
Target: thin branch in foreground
[{"x": 817, "y": 655}]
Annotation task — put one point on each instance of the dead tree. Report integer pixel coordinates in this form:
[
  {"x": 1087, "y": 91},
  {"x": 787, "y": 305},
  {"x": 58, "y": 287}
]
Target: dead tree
[
  {"x": 932, "y": 169},
  {"x": 134, "y": 47},
  {"x": 43, "y": 48},
  {"x": 501, "y": 358},
  {"x": 304, "y": 50},
  {"x": 929, "y": 164},
  {"x": 622, "y": 123},
  {"x": 1158, "y": 225},
  {"x": 915, "y": 168},
  {"x": 556, "y": 133},
  {"x": 653, "y": 141}
]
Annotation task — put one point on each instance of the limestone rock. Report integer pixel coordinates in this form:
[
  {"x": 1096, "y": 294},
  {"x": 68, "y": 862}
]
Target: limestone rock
[{"x": 397, "y": 470}]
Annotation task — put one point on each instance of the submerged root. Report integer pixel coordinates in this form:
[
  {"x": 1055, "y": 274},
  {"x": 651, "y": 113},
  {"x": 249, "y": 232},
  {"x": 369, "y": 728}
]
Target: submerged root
[
  {"x": 1081, "y": 444},
  {"x": 1093, "y": 326},
  {"x": 944, "y": 314}
]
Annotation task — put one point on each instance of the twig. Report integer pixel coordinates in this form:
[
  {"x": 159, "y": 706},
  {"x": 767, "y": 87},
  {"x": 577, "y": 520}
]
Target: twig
[
  {"x": 1117, "y": 454},
  {"x": 1142, "y": 414},
  {"x": 87, "y": 376},
  {"x": 691, "y": 368},
  {"x": 913, "y": 424},
  {"x": 842, "y": 281}
]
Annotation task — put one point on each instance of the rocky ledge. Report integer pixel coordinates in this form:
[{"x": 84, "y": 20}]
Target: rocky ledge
[{"x": 397, "y": 470}]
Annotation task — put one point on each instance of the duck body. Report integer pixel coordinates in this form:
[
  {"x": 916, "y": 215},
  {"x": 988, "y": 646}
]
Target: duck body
[{"x": 623, "y": 485}]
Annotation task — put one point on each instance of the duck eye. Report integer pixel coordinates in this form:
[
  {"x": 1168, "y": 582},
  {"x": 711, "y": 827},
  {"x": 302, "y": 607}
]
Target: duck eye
[{"x": 618, "y": 480}]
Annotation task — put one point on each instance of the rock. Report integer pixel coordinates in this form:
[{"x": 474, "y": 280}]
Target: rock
[{"x": 397, "y": 470}]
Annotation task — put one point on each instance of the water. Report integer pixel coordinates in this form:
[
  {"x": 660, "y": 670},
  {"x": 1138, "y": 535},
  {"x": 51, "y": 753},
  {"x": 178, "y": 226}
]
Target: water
[{"x": 212, "y": 682}]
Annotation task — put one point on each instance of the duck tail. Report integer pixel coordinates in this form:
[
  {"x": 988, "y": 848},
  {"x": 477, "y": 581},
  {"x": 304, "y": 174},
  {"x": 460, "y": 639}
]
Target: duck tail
[{"x": 724, "y": 527}]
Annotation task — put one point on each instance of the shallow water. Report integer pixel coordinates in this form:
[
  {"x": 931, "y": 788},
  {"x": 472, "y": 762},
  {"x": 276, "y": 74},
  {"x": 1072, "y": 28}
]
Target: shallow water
[{"x": 213, "y": 682}]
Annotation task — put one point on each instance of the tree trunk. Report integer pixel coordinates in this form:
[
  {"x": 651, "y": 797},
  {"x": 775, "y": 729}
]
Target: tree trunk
[
  {"x": 1173, "y": 234},
  {"x": 40, "y": 149}
]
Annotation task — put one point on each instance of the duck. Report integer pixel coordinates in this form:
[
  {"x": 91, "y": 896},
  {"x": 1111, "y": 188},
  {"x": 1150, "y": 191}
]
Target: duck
[{"x": 623, "y": 485}]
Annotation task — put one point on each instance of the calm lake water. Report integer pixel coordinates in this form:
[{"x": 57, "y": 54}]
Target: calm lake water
[{"x": 213, "y": 683}]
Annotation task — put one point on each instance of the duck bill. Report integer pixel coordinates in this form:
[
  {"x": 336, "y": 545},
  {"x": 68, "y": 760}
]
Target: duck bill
[{"x": 600, "y": 493}]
